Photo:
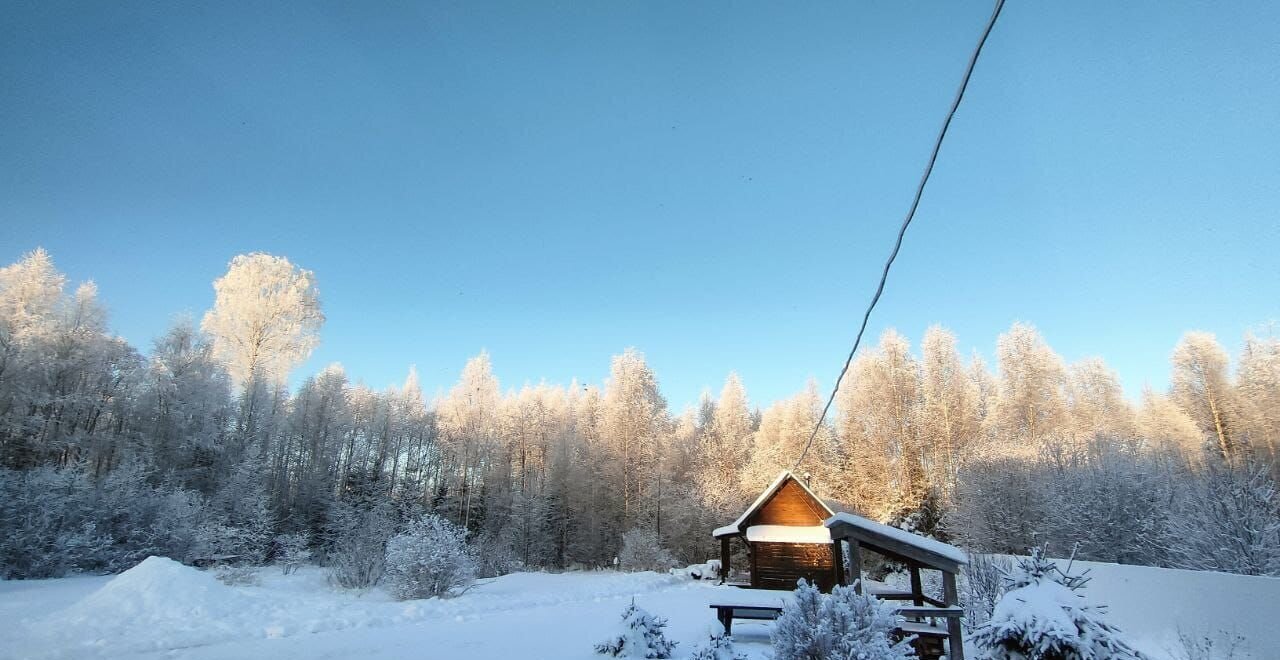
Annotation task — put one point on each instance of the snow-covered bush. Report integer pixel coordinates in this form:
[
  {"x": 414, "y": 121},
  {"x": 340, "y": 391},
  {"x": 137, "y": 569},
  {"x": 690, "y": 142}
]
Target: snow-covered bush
[
  {"x": 1228, "y": 520},
  {"x": 843, "y": 624},
  {"x": 981, "y": 586},
  {"x": 357, "y": 544},
  {"x": 238, "y": 576},
  {"x": 642, "y": 551},
  {"x": 59, "y": 521},
  {"x": 292, "y": 551},
  {"x": 641, "y": 637},
  {"x": 429, "y": 558},
  {"x": 706, "y": 571},
  {"x": 496, "y": 554},
  {"x": 240, "y": 523},
  {"x": 718, "y": 647},
  {"x": 1041, "y": 617}
]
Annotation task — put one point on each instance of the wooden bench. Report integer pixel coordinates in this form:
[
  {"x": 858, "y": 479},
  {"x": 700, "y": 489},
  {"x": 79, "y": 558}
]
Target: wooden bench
[{"x": 727, "y": 613}]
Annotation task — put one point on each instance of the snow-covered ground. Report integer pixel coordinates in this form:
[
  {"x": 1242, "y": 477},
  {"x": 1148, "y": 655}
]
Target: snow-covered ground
[{"x": 161, "y": 609}]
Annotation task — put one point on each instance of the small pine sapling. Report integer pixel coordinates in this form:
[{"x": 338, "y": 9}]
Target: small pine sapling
[
  {"x": 1042, "y": 617},
  {"x": 718, "y": 647},
  {"x": 642, "y": 637}
]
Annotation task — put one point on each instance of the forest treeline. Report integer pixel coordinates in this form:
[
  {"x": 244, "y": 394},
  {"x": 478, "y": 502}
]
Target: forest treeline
[{"x": 197, "y": 450}]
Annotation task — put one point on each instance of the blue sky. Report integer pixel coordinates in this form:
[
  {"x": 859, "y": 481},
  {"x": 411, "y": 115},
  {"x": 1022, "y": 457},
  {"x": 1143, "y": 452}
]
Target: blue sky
[{"x": 714, "y": 184}]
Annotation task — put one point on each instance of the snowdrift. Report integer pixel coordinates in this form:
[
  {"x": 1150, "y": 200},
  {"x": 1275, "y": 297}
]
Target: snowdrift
[
  {"x": 161, "y": 604},
  {"x": 157, "y": 604}
]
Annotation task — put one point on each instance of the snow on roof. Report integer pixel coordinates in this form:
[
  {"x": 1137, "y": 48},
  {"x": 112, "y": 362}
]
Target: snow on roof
[
  {"x": 727, "y": 530},
  {"x": 788, "y": 534},
  {"x": 736, "y": 526},
  {"x": 902, "y": 536}
]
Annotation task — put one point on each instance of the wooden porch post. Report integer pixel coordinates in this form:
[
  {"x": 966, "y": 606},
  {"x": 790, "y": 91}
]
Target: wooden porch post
[
  {"x": 837, "y": 561},
  {"x": 955, "y": 644},
  {"x": 724, "y": 558},
  {"x": 917, "y": 586},
  {"x": 855, "y": 565}
]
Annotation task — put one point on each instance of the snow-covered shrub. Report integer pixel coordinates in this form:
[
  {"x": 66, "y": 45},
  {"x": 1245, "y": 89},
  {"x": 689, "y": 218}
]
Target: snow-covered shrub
[
  {"x": 1111, "y": 503},
  {"x": 496, "y": 555},
  {"x": 1228, "y": 520},
  {"x": 240, "y": 520},
  {"x": 843, "y": 624},
  {"x": 59, "y": 521},
  {"x": 238, "y": 576},
  {"x": 981, "y": 586},
  {"x": 643, "y": 551},
  {"x": 292, "y": 551},
  {"x": 357, "y": 544},
  {"x": 641, "y": 637},
  {"x": 1041, "y": 617},
  {"x": 706, "y": 571},
  {"x": 429, "y": 558},
  {"x": 718, "y": 647}
]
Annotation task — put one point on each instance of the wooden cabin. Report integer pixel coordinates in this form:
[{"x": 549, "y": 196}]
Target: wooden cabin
[
  {"x": 785, "y": 538},
  {"x": 790, "y": 534}
]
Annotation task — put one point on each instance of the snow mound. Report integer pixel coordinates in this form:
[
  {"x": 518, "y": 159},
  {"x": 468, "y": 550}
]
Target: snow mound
[
  {"x": 157, "y": 588},
  {"x": 150, "y": 606}
]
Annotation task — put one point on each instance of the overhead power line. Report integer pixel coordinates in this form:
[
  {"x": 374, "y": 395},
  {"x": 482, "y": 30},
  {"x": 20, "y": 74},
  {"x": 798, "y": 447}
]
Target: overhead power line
[{"x": 902, "y": 231}]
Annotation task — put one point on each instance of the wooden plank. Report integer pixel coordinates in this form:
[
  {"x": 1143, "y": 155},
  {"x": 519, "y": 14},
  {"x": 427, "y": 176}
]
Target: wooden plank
[
  {"x": 923, "y": 629},
  {"x": 892, "y": 546},
  {"x": 927, "y": 611},
  {"x": 746, "y": 606}
]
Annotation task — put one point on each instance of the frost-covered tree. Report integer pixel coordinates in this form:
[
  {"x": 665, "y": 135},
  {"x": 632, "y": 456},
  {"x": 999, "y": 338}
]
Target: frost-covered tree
[
  {"x": 185, "y": 405},
  {"x": 429, "y": 559},
  {"x": 469, "y": 423},
  {"x": 632, "y": 422},
  {"x": 1031, "y": 403},
  {"x": 1258, "y": 395},
  {"x": 1043, "y": 617},
  {"x": 1167, "y": 428},
  {"x": 642, "y": 636},
  {"x": 949, "y": 418},
  {"x": 1096, "y": 404},
  {"x": 1201, "y": 386},
  {"x": 265, "y": 318},
  {"x": 724, "y": 448}
]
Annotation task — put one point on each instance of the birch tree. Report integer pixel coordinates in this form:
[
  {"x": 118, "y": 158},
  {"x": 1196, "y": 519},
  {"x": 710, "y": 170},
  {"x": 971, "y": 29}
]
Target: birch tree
[
  {"x": 265, "y": 318},
  {"x": 1258, "y": 391},
  {"x": 1031, "y": 404},
  {"x": 631, "y": 422},
  {"x": 1201, "y": 385},
  {"x": 949, "y": 417}
]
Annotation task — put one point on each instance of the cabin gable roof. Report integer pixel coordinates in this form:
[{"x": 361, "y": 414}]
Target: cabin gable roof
[{"x": 799, "y": 503}]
